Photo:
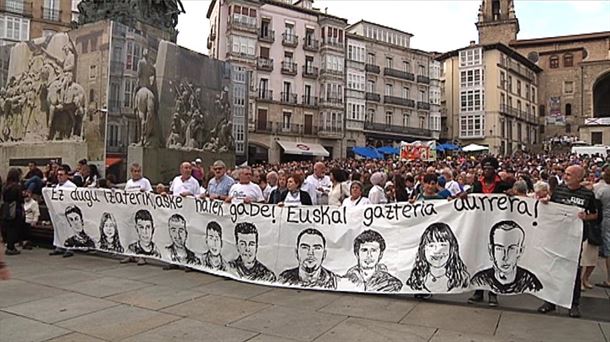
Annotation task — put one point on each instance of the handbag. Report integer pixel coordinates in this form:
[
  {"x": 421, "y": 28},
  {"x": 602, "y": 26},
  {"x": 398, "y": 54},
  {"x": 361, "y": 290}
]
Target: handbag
[{"x": 9, "y": 211}]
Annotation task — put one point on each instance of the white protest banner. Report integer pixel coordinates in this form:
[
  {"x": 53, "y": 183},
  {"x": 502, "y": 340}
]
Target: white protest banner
[
  {"x": 418, "y": 150},
  {"x": 509, "y": 245}
]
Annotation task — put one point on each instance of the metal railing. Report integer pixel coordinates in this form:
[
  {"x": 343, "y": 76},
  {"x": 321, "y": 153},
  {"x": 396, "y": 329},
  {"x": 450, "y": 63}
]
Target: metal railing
[
  {"x": 310, "y": 71},
  {"x": 266, "y": 35},
  {"x": 423, "y": 105},
  {"x": 382, "y": 127},
  {"x": 398, "y": 74},
  {"x": 265, "y": 94},
  {"x": 372, "y": 97},
  {"x": 243, "y": 22},
  {"x": 423, "y": 79},
  {"x": 372, "y": 68},
  {"x": 289, "y": 39},
  {"x": 51, "y": 14},
  {"x": 289, "y": 68},
  {"x": 311, "y": 101},
  {"x": 394, "y": 100},
  {"x": 264, "y": 64},
  {"x": 288, "y": 98},
  {"x": 311, "y": 44}
]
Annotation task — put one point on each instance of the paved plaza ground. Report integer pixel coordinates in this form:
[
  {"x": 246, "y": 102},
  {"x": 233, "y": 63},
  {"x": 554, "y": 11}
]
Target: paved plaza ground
[{"x": 90, "y": 298}]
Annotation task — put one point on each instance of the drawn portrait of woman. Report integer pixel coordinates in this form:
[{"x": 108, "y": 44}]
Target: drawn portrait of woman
[
  {"x": 438, "y": 266},
  {"x": 109, "y": 234}
]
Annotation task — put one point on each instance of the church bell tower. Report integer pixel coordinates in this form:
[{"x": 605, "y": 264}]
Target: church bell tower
[{"x": 497, "y": 22}]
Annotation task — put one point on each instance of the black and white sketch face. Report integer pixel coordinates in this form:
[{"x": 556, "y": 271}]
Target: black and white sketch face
[
  {"x": 177, "y": 232},
  {"x": 145, "y": 229},
  {"x": 214, "y": 242},
  {"x": 109, "y": 229},
  {"x": 75, "y": 222},
  {"x": 311, "y": 252},
  {"x": 437, "y": 253},
  {"x": 246, "y": 247},
  {"x": 506, "y": 249},
  {"x": 369, "y": 255}
]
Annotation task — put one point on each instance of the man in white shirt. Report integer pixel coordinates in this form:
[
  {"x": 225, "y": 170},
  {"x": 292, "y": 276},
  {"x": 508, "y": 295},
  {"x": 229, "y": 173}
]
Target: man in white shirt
[
  {"x": 451, "y": 185},
  {"x": 63, "y": 183},
  {"x": 137, "y": 182},
  {"x": 185, "y": 184},
  {"x": 245, "y": 191},
  {"x": 271, "y": 184},
  {"x": 321, "y": 183}
]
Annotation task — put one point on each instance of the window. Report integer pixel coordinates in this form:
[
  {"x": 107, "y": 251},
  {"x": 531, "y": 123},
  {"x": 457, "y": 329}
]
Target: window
[
  {"x": 388, "y": 118},
  {"x": 405, "y": 92},
  {"x": 388, "y": 62},
  {"x": 471, "y": 100},
  {"x": 92, "y": 72},
  {"x": 470, "y": 57},
  {"x": 568, "y": 87},
  {"x": 422, "y": 96},
  {"x": 519, "y": 87},
  {"x": 286, "y": 120},
  {"x": 519, "y": 132},
  {"x": 527, "y": 91},
  {"x": 422, "y": 122},
  {"x": 502, "y": 80},
  {"x": 470, "y": 78},
  {"x": 405, "y": 119},
  {"x": 370, "y": 86},
  {"x": 568, "y": 60},
  {"x": 355, "y": 81},
  {"x": 355, "y": 53},
  {"x": 406, "y": 66},
  {"x": 370, "y": 58},
  {"x": 389, "y": 90},
  {"x": 568, "y": 109},
  {"x": 510, "y": 84},
  {"x": 113, "y": 135},
  {"x": 14, "y": 28},
  {"x": 355, "y": 110},
  {"x": 471, "y": 126},
  {"x": 370, "y": 115},
  {"x": 533, "y": 94},
  {"x": 596, "y": 138},
  {"x": 422, "y": 70},
  {"x": 91, "y": 95},
  {"x": 242, "y": 45},
  {"x": 128, "y": 89},
  {"x": 554, "y": 62}
]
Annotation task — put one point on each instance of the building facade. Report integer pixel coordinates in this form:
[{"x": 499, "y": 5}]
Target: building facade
[
  {"x": 22, "y": 20},
  {"x": 294, "y": 55},
  {"x": 574, "y": 86},
  {"x": 398, "y": 88},
  {"x": 490, "y": 98}
]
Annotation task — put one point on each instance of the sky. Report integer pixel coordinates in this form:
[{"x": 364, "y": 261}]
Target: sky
[{"x": 437, "y": 25}]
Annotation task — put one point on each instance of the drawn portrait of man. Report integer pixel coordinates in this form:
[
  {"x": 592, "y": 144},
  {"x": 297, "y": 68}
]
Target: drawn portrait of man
[
  {"x": 311, "y": 252},
  {"x": 370, "y": 274},
  {"x": 177, "y": 250},
  {"x": 246, "y": 264},
  {"x": 213, "y": 239},
  {"x": 505, "y": 248},
  {"x": 145, "y": 228},
  {"x": 80, "y": 239}
]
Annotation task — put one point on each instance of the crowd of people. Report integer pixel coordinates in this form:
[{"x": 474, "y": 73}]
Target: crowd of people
[{"x": 582, "y": 181}]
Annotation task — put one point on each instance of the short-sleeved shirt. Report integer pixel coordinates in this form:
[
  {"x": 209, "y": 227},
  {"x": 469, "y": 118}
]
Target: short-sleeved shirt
[
  {"x": 581, "y": 197},
  {"x": 141, "y": 184},
  {"x": 239, "y": 192},
  {"x": 179, "y": 186},
  {"x": 222, "y": 187}
]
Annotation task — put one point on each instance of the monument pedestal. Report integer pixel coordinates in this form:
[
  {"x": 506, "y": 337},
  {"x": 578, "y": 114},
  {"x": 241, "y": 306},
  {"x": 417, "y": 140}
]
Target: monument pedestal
[
  {"x": 161, "y": 165},
  {"x": 20, "y": 152}
]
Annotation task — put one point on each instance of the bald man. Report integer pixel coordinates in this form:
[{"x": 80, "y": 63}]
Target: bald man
[
  {"x": 319, "y": 182},
  {"x": 571, "y": 192},
  {"x": 185, "y": 184}
]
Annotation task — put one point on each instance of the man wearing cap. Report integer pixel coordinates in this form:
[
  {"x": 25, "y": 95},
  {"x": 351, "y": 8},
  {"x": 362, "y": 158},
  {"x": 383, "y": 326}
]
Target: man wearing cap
[
  {"x": 197, "y": 172},
  {"x": 489, "y": 183},
  {"x": 219, "y": 186}
]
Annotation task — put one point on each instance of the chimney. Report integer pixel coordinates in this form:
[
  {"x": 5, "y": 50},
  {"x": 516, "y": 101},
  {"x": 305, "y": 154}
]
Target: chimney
[{"x": 472, "y": 43}]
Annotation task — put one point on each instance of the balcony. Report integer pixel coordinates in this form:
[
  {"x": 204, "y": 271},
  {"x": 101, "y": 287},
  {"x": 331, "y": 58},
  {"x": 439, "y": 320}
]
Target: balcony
[
  {"x": 327, "y": 71},
  {"x": 399, "y": 101},
  {"x": 51, "y": 14},
  {"x": 265, "y": 95},
  {"x": 310, "y": 71},
  {"x": 290, "y": 40},
  {"x": 263, "y": 126},
  {"x": 335, "y": 131},
  {"x": 289, "y": 68},
  {"x": 519, "y": 114},
  {"x": 372, "y": 97},
  {"x": 333, "y": 101},
  {"x": 265, "y": 64},
  {"x": 241, "y": 55},
  {"x": 266, "y": 35},
  {"x": 327, "y": 42},
  {"x": 423, "y": 105},
  {"x": 402, "y": 130},
  {"x": 403, "y": 75},
  {"x": 423, "y": 79},
  {"x": 310, "y": 44},
  {"x": 289, "y": 98},
  {"x": 23, "y": 8},
  {"x": 242, "y": 22},
  {"x": 372, "y": 68},
  {"x": 309, "y": 101}
]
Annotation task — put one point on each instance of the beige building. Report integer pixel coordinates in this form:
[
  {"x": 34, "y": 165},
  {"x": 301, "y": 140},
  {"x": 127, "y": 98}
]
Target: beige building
[
  {"x": 490, "y": 98},
  {"x": 574, "y": 86},
  {"x": 295, "y": 56},
  {"x": 397, "y": 87},
  {"x": 22, "y": 20}
]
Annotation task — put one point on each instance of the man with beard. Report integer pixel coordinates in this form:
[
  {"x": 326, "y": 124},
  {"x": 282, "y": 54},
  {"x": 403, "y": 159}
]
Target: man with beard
[
  {"x": 505, "y": 249},
  {"x": 213, "y": 239},
  {"x": 369, "y": 274},
  {"x": 146, "y": 229},
  {"x": 178, "y": 252},
  {"x": 80, "y": 239},
  {"x": 311, "y": 252},
  {"x": 246, "y": 265}
]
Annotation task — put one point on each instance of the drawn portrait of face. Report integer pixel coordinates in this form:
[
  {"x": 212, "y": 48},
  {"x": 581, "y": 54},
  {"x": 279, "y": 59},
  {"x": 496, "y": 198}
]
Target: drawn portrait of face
[
  {"x": 214, "y": 242},
  {"x": 145, "y": 229},
  {"x": 506, "y": 248},
  {"x": 109, "y": 228},
  {"x": 369, "y": 255},
  {"x": 75, "y": 221},
  {"x": 311, "y": 252},
  {"x": 246, "y": 247},
  {"x": 177, "y": 232},
  {"x": 437, "y": 253}
]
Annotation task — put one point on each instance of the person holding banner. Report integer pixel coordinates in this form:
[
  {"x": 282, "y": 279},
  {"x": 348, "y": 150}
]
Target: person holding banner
[
  {"x": 356, "y": 198},
  {"x": 275, "y": 196},
  {"x": 185, "y": 184},
  {"x": 320, "y": 182},
  {"x": 63, "y": 182},
  {"x": 137, "y": 182},
  {"x": 293, "y": 195},
  {"x": 377, "y": 194},
  {"x": 219, "y": 186},
  {"x": 571, "y": 192},
  {"x": 245, "y": 191}
]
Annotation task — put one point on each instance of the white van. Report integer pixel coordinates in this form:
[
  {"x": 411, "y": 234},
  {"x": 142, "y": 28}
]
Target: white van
[{"x": 591, "y": 150}]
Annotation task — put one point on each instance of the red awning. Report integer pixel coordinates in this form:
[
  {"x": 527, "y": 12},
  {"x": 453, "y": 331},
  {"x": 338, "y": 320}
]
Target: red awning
[{"x": 111, "y": 161}]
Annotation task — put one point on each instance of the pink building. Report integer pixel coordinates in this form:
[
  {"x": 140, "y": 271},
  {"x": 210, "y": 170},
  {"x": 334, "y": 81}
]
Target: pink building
[{"x": 295, "y": 57}]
